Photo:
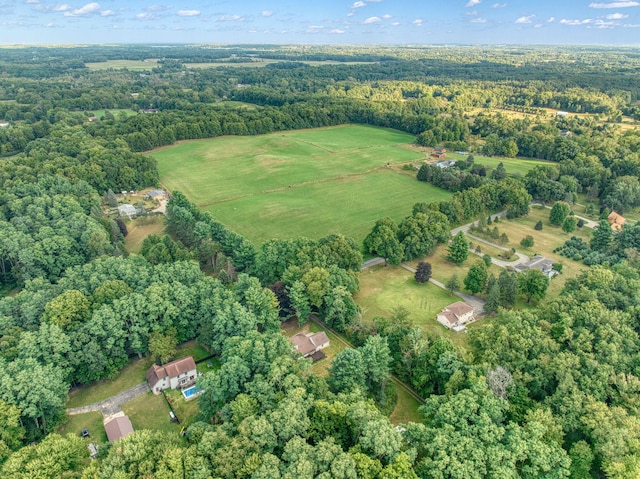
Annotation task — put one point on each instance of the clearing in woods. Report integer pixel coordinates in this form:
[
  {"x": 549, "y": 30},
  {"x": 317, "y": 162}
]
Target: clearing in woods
[{"x": 298, "y": 183}]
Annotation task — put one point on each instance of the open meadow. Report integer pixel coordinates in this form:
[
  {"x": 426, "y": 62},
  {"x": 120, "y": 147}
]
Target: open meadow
[
  {"x": 298, "y": 183},
  {"x": 134, "y": 65}
]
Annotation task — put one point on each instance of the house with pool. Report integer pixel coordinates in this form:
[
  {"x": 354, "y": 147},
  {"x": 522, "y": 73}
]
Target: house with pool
[{"x": 178, "y": 374}]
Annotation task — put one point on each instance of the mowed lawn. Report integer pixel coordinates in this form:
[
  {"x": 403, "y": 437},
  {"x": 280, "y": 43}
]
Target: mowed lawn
[
  {"x": 385, "y": 289},
  {"x": 513, "y": 166},
  {"x": 298, "y": 183}
]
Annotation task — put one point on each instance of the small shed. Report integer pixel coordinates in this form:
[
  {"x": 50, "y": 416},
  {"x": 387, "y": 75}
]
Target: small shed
[
  {"x": 118, "y": 427},
  {"x": 157, "y": 195},
  {"x": 4, "y": 124},
  {"x": 127, "y": 210}
]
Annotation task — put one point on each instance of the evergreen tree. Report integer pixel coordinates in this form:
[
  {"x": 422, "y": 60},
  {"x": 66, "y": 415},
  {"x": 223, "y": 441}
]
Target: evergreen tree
[
  {"x": 477, "y": 277},
  {"x": 458, "y": 249},
  {"x": 602, "y": 236},
  {"x": 453, "y": 284},
  {"x": 559, "y": 212},
  {"x": 423, "y": 272},
  {"x": 538, "y": 226},
  {"x": 569, "y": 224},
  {"x": 508, "y": 287},
  {"x": 492, "y": 303},
  {"x": 499, "y": 173},
  {"x": 112, "y": 200}
]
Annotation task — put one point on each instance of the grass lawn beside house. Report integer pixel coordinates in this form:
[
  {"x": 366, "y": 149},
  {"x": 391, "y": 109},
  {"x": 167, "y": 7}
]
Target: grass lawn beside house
[
  {"x": 150, "y": 411},
  {"x": 92, "y": 421}
]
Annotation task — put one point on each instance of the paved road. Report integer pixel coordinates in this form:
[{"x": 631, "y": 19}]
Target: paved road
[{"x": 112, "y": 405}]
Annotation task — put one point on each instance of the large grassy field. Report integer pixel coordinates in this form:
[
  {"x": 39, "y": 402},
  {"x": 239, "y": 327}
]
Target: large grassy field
[
  {"x": 513, "y": 166},
  {"x": 298, "y": 183}
]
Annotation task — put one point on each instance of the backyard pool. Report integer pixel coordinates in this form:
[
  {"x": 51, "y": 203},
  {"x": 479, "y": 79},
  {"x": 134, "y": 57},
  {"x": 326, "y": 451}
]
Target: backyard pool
[{"x": 191, "y": 392}]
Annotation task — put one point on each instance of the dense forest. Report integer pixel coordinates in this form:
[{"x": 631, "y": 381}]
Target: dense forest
[{"x": 550, "y": 391}]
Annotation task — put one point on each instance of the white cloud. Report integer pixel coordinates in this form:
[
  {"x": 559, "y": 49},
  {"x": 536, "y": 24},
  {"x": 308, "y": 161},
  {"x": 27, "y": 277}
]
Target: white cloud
[
  {"x": 586, "y": 21},
  {"x": 473, "y": 3},
  {"x": 386, "y": 16},
  {"x": 145, "y": 16},
  {"x": 498, "y": 5},
  {"x": 314, "y": 28},
  {"x": 358, "y": 4},
  {"x": 49, "y": 25},
  {"x": 107, "y": 13},
  {"x": 267, "y": 13},
  {"x": 88, "y": 9},
  {"x": 479, "y": 20},
  {"x": 615, "y": 5},
  {"x": 551, "y": 19},
  {"x": 372, "y": 20},
  {"x": 350, "y": 14},
  {"x": 616, "y": 16},
  {"x": 32, "y": 1},
  {"x": 231, "y": 18},
  {"x": 61, "y": 8},
  {"x": 188, "y": 13},
  {"x": 395, "y": 24},
  {"x": 337, "y": 30},
  {"x": 417, "y": 22},
  {"x": 526, "y": 19},
  {"x": 158, "y": 8}
]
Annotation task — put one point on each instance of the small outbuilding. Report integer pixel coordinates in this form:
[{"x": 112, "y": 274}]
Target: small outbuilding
[{"x": 117, "y": 427}]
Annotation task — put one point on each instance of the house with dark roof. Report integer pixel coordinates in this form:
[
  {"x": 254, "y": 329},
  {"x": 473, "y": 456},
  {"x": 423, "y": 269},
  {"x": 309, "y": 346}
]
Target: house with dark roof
[
  {"x": 540, "y": 263},
  {"x": 616, "y": 221},
  {"x": 456, "y": 316},
  {"x": 117, "y": 427},
  {"x": 310, "y": 344},
  {"x": 178, "y": 374}
]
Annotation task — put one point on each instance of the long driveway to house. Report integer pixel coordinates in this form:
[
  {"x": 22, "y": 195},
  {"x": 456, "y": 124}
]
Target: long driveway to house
[{"x": 112, "y": 405}]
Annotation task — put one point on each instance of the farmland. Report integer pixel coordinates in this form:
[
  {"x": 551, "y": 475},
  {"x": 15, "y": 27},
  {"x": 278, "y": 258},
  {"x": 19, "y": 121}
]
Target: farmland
[{"x": 301, "y": 183}]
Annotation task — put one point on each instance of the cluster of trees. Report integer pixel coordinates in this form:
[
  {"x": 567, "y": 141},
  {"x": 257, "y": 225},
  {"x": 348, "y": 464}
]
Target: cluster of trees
[
  {"x": 452, "y": 179},
  {"x": 605, "y": 246},
  {"x": 416, "y": 236}
]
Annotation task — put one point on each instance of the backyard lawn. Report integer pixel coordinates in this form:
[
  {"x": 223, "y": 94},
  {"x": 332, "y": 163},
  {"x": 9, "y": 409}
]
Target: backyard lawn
[
  {"x": 92, "y": 421},
  {"x": 384, "y": 289},
  {"x": 139, "y": 228},
  {"x": 150, "y": 411}
]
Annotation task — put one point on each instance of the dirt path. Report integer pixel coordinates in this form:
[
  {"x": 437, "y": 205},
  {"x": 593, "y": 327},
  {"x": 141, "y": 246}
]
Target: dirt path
[{"x": 112, "y": 405}]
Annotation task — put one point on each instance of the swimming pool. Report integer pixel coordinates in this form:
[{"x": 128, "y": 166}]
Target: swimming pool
[{"x": 191, "y": 392}]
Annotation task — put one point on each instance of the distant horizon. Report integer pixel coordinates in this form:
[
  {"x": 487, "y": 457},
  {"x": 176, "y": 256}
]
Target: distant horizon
[{"x": 331, "y": 22}]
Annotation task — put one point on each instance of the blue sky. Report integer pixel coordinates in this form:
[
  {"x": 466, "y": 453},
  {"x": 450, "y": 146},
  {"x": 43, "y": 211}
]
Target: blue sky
[{"x": 322, "y": 21}]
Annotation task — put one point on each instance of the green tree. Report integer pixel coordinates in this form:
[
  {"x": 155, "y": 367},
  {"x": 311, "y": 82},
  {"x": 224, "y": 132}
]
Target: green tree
[
  {"x": 569, "y": 224},
  {"x": 492, "y": 302},
  {"x": 533, "y": 284},
  {"x": 68, "y": 309},
  {"x": 376, "y": 358},
  {"x": 458, "y": 249},
  {"x": 499, "y": 173},
  {"x": 476, "y": 277},
  {"x": 347, "y": 371},
  {"x": 423, "y": 272},
  {"x": 112, "y": 200},
  {"x": 602, "y": 236},
  {"x": 559, "y": 212},
  {"x": 508, "y": 287},
  {"x": 383, "y": 241},
  {"x": 162, "y": 347},
  {"x": 453, "y": 284},
  {"x": 527, "y": 242},
  {"x": 538, "y": 226}
]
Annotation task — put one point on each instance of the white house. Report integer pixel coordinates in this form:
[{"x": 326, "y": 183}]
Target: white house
[
  {"x": 127, "y": 210},
  {"x": 456, "y": 316},
  {"x": 178, "y": 374},
  {"x": 310, "y": 344},
  {"x": 545, "y": 265}
]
